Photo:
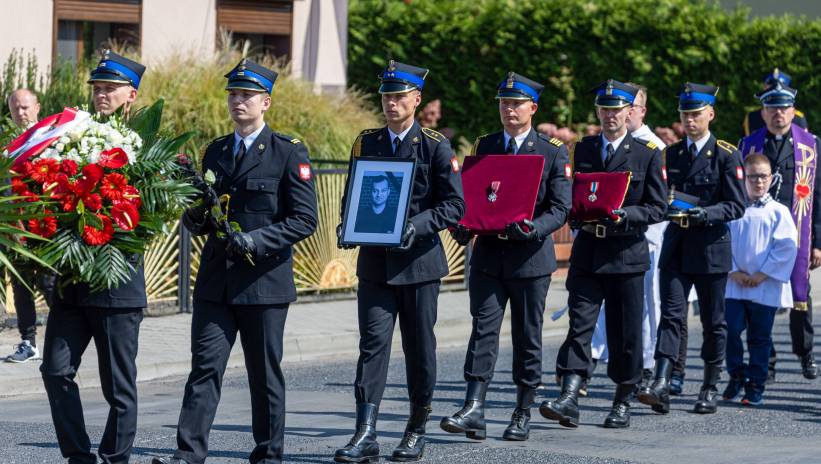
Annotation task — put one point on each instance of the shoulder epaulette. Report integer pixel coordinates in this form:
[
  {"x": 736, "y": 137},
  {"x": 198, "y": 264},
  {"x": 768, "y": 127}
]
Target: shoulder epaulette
[
  {"x": 295, "y": 141},
  {"x": 476, "y": 144},
  {"x": 219, "y": 139},
  {"x": 433, "y": 134},
  {"x": 589, "y": 138},
  {"x": 651, "y": 145},
  {"x": 555, "y": 141},
  {"x": 286, "y": 138},
  {"x": 799, "y": 113},
  {"x": 727, "y": 146},
  {"x": 370, "y": 131},
  {"x": 356, "y": 150}
]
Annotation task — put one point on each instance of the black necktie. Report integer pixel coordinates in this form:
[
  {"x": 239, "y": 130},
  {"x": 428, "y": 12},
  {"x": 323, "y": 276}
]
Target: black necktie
[
  {"x": 240, "y": 154},
  {"x": 693, "y": 152},
  {"x": 511, "y": 146},
  {"x": 610, "y": 152},
  {"x": 396, "y": 143}
]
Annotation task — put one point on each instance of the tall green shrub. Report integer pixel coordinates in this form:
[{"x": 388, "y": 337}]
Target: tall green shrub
[{"x": 470, "y": 45}]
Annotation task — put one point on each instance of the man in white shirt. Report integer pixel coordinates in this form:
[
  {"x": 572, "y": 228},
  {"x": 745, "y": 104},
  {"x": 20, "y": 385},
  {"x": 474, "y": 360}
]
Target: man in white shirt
[{"x": 764, "y": 243}]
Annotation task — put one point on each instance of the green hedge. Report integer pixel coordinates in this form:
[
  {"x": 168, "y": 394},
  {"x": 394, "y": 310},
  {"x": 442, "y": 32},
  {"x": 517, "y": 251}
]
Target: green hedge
[{"x": 572, "y": 45}]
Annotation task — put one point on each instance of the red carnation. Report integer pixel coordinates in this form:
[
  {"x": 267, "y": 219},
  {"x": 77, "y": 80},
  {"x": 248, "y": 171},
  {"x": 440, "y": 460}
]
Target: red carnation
[
  {"x": 93, "y": 202},
  {"x": 68, "y": 202},
  {"x": 125, "y": 215},
  {"x": 45, "y": 226},
  {"x": 91, "y": 176},
  {"x": 44, "y": 170},
  {"x": 132, "y": 195},
  {"x": 19, "y": 187},
  {"x": 113, "y": 159},
  {"x": 22, "y": 169},
  {"x": 113, "y": 186},
  {"x": 68, "y": 167},
  {"x": 95, "y": 237}
]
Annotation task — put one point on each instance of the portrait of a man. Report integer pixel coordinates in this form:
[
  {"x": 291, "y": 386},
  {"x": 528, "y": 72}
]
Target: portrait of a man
[{"x": 377, "y": 208}]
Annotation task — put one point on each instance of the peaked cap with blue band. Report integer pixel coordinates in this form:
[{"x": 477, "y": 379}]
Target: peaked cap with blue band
[
  {"x": 518, "y": 87},
  {"x": 778, "y": 76},
  {"x": 695, "y": 97},
  {"x": 614, "y": 94},
  {"x": 777, "y": 95},
  {"x": 400, "y": 77},
  {"x": 119, "y": 69},
  {"x": 249, "y": 75}
]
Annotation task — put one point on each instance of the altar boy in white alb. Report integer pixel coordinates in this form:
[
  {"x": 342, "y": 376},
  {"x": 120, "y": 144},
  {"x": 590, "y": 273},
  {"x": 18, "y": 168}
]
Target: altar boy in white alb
[{"x": 764, "y": 244}]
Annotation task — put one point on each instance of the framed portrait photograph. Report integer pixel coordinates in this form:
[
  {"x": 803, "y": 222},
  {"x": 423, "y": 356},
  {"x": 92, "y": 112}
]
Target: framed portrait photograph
[{"x": 378, "y": 196}]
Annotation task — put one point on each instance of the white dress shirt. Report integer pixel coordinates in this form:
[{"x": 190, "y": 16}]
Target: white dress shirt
[
  {"x": 699, "y": 143},
  {"x": 520, "y": 140},
  {"x": 248, "y": 140},
  {"x": 616, "y": 144}
]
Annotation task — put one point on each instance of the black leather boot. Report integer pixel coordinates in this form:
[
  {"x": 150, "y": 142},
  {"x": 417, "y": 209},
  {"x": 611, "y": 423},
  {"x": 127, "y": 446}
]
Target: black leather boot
[
  {"x": 619, "y": 417},
  {"x": 707, "y": 402},
  {"x": 469, "y": 420},
  {"x": 808, "y": 367},
  {"x": 566, "y": 408},
  {"x": 363, "y": 446},
  {"x": 519, "y": 428},
  {"x": 657, "y": 394},
  {"x": 412, "y": 446}
]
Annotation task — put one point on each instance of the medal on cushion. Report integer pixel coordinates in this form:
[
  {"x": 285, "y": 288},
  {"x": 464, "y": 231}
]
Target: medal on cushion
[
  {"x": 593, "y": 187},
  {"x": 492, "y": 190}
]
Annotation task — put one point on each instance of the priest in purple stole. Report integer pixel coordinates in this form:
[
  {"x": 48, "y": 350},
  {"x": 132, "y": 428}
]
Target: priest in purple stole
[{"x": 793, "y": 152}]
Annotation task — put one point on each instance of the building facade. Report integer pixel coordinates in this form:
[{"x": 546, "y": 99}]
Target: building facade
[{"x": 310, "y": 34}]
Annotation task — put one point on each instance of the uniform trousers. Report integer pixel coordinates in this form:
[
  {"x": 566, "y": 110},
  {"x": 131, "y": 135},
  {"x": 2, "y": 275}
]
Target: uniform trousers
[
  {"x": 115, "y": 332},
  {"x": 24, "y": 299},
  {"x": 623, "y": 295},
  {"x": 488, "y": 297},
  {"x": 379, "y": 304},
  {"x": 214, "y": 328},
  {"x": 675, "y": 286}
]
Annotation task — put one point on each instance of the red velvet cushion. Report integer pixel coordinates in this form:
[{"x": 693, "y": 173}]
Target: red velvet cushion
[{"x": 597, "y": 194}]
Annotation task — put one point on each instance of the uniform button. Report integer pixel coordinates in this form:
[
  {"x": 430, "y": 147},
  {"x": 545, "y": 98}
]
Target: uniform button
[{"x": 233, "y": 189}]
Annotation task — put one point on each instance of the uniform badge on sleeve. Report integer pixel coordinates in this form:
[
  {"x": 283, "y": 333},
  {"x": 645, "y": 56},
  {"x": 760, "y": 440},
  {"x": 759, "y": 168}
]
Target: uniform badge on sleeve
[
  {"x": 739, "y": 172},
  {"x": 304, "y": 171},
  {"x": 454, "y": 164},
  {"x": 567, "y": 171}
]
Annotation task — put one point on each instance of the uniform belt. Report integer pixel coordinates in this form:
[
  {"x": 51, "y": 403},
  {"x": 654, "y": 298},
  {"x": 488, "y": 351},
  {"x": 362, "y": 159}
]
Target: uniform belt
[{"x": 602, "y": 231}]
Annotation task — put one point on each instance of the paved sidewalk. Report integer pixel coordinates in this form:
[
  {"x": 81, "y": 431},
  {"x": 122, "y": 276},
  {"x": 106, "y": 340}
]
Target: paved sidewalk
[{"x": 313, "y": 330}]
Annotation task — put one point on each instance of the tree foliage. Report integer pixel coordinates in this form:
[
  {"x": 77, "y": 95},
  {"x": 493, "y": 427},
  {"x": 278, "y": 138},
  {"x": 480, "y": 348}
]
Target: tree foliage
[{"x": 572, "y": 45}]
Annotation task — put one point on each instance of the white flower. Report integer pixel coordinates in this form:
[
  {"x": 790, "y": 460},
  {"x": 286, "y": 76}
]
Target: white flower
[
  {"x": 64, "y": 140},
  {"x": 60, "y": 147}
]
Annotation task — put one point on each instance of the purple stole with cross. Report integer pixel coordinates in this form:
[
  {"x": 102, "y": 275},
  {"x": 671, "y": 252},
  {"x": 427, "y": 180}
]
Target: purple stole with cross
[{"x": 805, "y": 153}]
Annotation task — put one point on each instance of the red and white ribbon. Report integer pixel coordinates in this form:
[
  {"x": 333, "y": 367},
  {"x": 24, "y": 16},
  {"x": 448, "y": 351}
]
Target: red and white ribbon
[{"x": 40, "y": 136}]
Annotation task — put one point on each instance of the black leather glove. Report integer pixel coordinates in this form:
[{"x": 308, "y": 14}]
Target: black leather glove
[
  {"x": 697, "y": 216},
  {"x": 240, "y": 244},
  {"x": 339, "y": 244},
  {"x": 408, "y": 237},
  {"x": 610, "y": 222},
  {"x": 461, "y": 234},
  {"x": 197, "y": 214},
  {"x": 515, "y": 232}
]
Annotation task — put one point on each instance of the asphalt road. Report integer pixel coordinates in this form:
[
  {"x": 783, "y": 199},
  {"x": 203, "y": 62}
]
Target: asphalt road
[{"x": 786, "y": 429}]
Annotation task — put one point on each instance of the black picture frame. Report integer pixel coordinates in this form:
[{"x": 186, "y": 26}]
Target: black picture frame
[{"x": 377, "y": 201}]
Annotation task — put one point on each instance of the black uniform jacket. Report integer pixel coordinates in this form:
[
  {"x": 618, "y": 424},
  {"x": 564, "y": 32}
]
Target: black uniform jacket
[
  {"x": 716, "y": 178},
  {"x": 436, "y": 203},
  {"x": 783, "y": 163},
  {"x": 624, "y": 250},
  {"x": 130, "y": 294},
  {"x": 272, "y": 198},
  {"x": 516, "y": 259}
]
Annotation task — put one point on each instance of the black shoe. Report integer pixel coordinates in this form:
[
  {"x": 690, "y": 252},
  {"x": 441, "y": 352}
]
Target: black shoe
[
  {"x": 168, "y": 460},
  {"x": 619, "y": 417},
  {"x": 657, "y": 394},
  {"x": 646, "y": 377},
  {"x": 412, "y": 446},
  {"x": 676, "y": 384},
  {"x": 363, "y": 446},
  {"x": 707, "y": 402},
  {"x": 808, "y": 367},
  {"x": 566, "y": 408},
  {"x": 734, "y": 387},
  {"x": 469, "y": 420},
  {"x": 519, "y": 428}
]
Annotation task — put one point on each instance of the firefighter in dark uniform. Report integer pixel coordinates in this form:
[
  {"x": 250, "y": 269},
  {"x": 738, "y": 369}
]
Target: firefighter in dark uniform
[
  {"x": 608, "y": 261},
  {"x": 403, "y": 282},
  {"x": 110, "y": 317},
  {"x": 696, "y": 251},
  {"x": 779, "y": 113},
  {"x": 754, "y": 120},
  {"x": 245, "y": 282},
  {"x": 514, "y": 267}
]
